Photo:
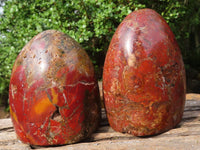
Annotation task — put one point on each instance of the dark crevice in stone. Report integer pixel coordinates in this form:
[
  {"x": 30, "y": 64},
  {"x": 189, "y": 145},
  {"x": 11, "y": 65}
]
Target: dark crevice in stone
[{"x": 56, "y": 115}]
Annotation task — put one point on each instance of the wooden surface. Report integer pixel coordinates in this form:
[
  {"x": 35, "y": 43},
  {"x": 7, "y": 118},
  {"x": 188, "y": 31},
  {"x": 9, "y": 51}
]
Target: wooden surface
[{"x": 186, "y": 136}]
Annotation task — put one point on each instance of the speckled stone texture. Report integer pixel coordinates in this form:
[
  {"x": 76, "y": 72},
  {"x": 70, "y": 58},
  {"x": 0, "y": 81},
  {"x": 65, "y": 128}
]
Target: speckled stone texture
[
  {"x": 54, "y": 96},
  {"x": 144, "y": 76}
]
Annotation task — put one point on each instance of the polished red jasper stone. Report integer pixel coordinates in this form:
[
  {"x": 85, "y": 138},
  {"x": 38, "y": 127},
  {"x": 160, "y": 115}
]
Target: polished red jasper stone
[
  {"x": 54, "y": 96},
  {"x": 144, "y": 76}
]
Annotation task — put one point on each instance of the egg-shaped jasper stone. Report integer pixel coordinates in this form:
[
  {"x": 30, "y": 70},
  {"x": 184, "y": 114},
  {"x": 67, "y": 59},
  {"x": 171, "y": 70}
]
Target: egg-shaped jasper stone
[
  {"x": 54, "y": 97},
  {"x": 144, "y": 76}
]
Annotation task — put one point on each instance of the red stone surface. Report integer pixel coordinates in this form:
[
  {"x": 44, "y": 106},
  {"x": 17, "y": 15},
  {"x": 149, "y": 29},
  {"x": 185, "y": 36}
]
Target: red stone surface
[
  {"x": 144, "y": 76},
  {"x": 54, "y": 97}
]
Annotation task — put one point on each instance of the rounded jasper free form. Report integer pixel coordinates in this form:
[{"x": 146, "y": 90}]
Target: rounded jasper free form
[
  {"x": 54, "y": 96},
  {"x": 144, "y": 76}
]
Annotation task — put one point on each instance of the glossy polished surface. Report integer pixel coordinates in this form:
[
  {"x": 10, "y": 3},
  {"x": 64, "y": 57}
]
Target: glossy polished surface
[
  {"x": 54, "y": 97},
  {"x": 144, "y": 76}
]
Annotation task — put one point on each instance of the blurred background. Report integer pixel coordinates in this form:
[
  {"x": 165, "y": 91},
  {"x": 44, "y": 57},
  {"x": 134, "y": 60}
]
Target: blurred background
[{"x": 92, "y": 23}]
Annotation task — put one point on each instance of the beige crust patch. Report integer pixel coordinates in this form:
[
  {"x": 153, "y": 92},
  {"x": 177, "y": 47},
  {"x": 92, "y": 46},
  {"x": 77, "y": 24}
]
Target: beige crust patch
[{"x": 131, "y": 60}]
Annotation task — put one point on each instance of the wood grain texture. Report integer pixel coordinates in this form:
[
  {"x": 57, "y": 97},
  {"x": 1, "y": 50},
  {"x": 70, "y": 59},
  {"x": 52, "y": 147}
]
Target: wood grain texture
[{"x": 184, "y": 137}]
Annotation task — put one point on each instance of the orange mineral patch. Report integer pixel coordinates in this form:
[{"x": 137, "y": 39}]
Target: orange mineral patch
[
  {"x": 55, "y": 96},
  {"x": 42, "y": 106},
  {"x": 13, "y": 114}
]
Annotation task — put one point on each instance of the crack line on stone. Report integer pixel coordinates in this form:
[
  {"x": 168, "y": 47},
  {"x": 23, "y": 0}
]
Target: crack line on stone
[{"x": 81, "y": 82}]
